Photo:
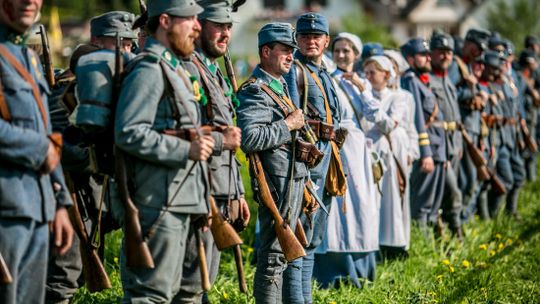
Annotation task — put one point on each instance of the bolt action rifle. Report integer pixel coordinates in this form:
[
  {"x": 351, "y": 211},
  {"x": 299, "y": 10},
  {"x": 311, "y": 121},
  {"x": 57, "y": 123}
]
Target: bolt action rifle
[{"x": 47, "y": 61}]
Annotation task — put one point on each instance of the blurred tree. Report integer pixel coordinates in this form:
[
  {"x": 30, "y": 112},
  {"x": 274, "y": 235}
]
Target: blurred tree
[
  {"x": 367, "y": 29},
  {"x": 515, "y": 19}
]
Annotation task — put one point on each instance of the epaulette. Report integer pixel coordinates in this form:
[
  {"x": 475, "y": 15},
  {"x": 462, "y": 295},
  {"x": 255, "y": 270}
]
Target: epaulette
[
  {"x": 143, "y": 56},
  {"x": 408, "y": 74},
  {"x": 250, "y": 86}
]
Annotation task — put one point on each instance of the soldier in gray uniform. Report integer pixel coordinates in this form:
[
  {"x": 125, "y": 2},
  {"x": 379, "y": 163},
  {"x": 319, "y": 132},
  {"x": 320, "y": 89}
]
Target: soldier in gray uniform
[
  {"x": 323, "y": 114},
  {"x": 472, "y": 101},
  {"x": 442, "y": 46},
  {"x": 530, "y": 99},
  {"x": 33, "y": 193},
  {"x": 167, "y": 174},
  {"x": 218, "y": 110},
  {"x": 94, "y": 73},
  {"x": 268, "y": 131},
  {"x": 428, "y": 173}
]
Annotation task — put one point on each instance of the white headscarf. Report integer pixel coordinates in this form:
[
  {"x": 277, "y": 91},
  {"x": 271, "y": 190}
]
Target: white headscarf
[
  {"x": 385, "y": 64},
  {"x": 355, "y": 40}
]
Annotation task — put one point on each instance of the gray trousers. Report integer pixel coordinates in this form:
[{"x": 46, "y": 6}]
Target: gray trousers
[
  {"x": 24, "y": 244},
  {"x": 271, "y": 262},
  {"x": 452, "y": 200},
  {"x": 426, "y": 193},
  {"x": 63, "y": 274},
  {"x": 168, "y": 247},
  {"x": 190, "y": 289}
]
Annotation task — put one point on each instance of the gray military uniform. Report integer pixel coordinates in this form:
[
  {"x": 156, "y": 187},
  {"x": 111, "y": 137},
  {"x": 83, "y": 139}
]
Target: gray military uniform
[
  {"x": 163, "y": 180},
  {"x": 264, "y": 132}
]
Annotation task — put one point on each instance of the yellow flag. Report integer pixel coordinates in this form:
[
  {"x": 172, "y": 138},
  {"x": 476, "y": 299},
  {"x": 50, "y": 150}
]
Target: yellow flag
[{"x": 55, "y": 32}]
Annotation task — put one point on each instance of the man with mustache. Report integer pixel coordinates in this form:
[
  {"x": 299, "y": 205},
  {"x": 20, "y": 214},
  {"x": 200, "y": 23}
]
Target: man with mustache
[
  {"x": 269, "y": 120},
  {"x": 219, "y": 110},
  {"x": 33, "y": 194},
  {"x": 312, "y": 33},
  {"x": 167, "y": 174},
  {"x": 428, "y": 173}
]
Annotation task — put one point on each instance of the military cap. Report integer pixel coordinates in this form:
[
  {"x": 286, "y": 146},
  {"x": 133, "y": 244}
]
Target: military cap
[
  {"x": 111, "y": 23},
  {"x": 372, "y": 49},
  {"x": 509, "y": 47},
  {"x": 531, "y": 40},
  {"x": 480, "y": 37},
  {"x": 312, "y": 23},
  {"x": 277, "y": 32},
  {"x": 217, "y": 11},
  {"x": 441, "y": 41},
  {"x": 492, "y": 58},
  {"x": 179, "y": 8},
  {"x": 526, "y": 57},
  {"x": 414, "y": 46},
  {"x": 496, "y": 42}
]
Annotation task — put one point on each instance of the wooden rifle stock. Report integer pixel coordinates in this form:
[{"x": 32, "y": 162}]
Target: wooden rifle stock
[
  {"x": 224, "y": 237},
  {"x": 5, "y": 275},
  {"x": 136, "y": 249},
  {"x": 205, "y": 278},
  {"x": 47, "y": 61},
  {"x": 530, "y": 143},
  {"x": 292, "y": 249},
  {"x": 95, "y": 276},
  {"x": 476, "y": 156}
]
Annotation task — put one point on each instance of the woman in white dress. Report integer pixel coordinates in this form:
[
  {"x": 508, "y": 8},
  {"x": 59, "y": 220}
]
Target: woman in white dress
[
  {"x": 352, "y": 239},
  {"x": 392, "y": 142}
]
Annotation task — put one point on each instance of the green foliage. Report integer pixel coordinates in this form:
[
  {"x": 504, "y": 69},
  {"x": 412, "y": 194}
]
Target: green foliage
[
  {"x": 368, "y": 29},
  {"x": 496, "y": 263},
  {"x": 89, "y": 8},
  {"x": 515, "y": 19}
]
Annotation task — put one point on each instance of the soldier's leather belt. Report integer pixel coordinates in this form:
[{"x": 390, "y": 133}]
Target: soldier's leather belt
[
  {"x": 324, "y": 131},
  {"x": 191, "y": 134},
  {"x": 446, "y": 125}
]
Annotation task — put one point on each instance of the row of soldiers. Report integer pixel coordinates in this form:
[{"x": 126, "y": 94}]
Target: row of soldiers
[{"x": 149, "y": 145}]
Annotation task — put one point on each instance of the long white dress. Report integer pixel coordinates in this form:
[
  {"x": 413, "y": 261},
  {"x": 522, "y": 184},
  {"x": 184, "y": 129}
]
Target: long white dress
[
  {"x": 348, "y": 250},
  {"x": 394, "y": 228}
]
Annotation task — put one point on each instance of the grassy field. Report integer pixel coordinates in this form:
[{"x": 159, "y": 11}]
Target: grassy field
[{"x": 498, "y": 262}]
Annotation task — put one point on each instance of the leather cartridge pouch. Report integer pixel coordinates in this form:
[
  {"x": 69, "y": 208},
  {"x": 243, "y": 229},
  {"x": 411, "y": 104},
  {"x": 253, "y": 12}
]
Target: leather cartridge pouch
[
  {"x": 341, "y": 136},
  {"x": 326, "y": 131},
  {"x": 308, "y": 153},
  {"x": 310, "y": 204},
  {"x": 234, "y": 215}
]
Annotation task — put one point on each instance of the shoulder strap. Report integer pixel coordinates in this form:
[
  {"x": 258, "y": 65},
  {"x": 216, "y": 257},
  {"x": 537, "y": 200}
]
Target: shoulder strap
[
  {"x": 431, "y": 118},
  {"x": 326, "y": 104},
  {"x": 348, "y": 97},
  {"x": 4, "y": 110},
  {"x": 28, "y": 78},
  {"x": 176, "y": 91},
  {"x": 302, "y": 83},
  {"x": 276, "y": 99}
]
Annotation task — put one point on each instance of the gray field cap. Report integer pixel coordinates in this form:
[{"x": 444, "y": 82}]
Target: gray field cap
[
  {"x": 217, "y": 11},
  {"x": 179, "y": 8},
  {"x": 277, "y": 32},
  {"x": 111, "y": 23}
]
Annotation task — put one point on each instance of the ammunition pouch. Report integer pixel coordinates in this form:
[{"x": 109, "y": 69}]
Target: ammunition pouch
[
  {"x": 376, "y": 167},
  {"x": 308, "y": 153},
  {"x": 341, "y": 136},
  {"x": 324, "y": 131}
]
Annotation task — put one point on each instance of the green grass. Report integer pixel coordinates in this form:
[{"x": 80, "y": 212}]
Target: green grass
[{"x": 498, "y": 262}]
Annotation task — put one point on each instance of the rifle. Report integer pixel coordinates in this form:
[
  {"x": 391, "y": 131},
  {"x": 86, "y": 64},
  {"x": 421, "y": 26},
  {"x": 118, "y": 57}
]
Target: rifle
[
  {"x": 530, "y": 143},
  {"x": 292, "y": 249},
  {"x": 476, "y": 156},
  {"x": 225, "y": 236},
  {"x": 95, "y": 275},
  {"x": 47, "y": 62},
  {"x": 230, "y": 70},
  {"x": 5, "y": 275},
  {"x": 136, "y": 249}
]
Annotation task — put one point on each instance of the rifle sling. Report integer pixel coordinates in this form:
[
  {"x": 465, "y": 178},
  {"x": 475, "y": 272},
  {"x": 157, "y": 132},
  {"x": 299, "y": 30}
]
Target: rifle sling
[
  {"x": 29, "y": 79},
  {"x": 205, "y": 81},
  {"x": 4, "y": 110}
]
